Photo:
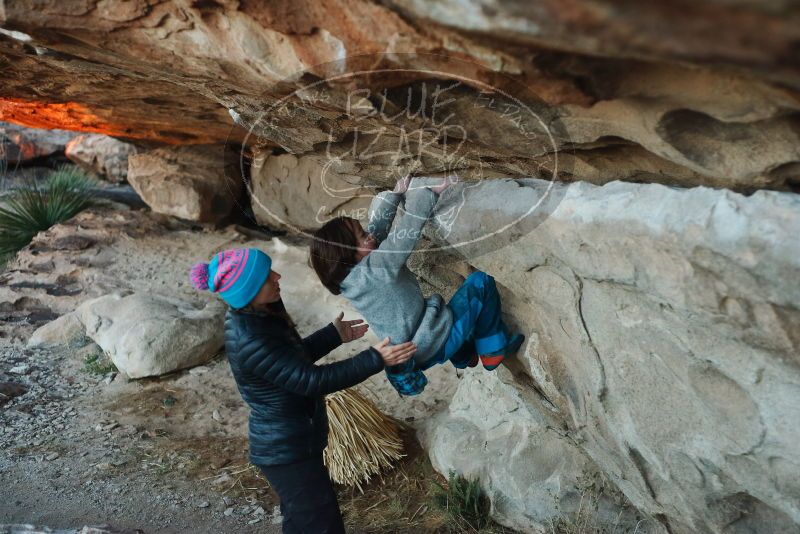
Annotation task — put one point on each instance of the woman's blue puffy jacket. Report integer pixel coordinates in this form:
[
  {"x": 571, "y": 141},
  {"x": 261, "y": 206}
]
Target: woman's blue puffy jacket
[{"x": 275, "y": 372}]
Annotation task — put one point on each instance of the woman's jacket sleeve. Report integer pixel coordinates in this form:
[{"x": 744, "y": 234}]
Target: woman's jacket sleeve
[
  {"x": 322, "y": 342},
  {"x": 281, "y": 365}
]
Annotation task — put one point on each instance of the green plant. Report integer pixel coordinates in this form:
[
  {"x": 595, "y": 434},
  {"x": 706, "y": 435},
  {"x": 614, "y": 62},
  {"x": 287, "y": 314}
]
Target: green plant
[
  {"x": 97, "y": 364},
  {"x": 34, "y": 209},
  {"x": 464, "y": 501}
]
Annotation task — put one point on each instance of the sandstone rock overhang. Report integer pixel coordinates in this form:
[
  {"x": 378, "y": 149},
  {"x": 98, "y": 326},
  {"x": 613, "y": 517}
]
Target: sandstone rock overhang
[{"x": 700, "y": 93}]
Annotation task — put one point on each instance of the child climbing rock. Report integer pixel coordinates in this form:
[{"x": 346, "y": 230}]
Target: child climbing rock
[{"x": 369, "y": 269}]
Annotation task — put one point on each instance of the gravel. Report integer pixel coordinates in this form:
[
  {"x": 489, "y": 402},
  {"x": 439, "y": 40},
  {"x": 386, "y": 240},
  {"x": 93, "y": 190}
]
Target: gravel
[{"x": 65, "y": 465}]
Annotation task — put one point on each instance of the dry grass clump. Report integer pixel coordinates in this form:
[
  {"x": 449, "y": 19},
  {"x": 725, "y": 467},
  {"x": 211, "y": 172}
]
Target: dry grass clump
[
  {"x": 404, "y": 500},
  {"x": 591, "y": 517},
  {"x": 362, "y": 442}
]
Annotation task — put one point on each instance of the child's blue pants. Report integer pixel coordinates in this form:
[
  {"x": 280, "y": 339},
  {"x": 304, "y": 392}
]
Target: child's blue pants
[
  {"x": 477, "y": 318},
  {"x": 477, "y": 323}
]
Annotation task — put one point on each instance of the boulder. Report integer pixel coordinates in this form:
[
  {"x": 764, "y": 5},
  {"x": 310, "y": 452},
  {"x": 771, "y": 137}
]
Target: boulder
[
  {"x": 60, "y": 331},
  {"x": 197, "y": 183},
  {"x": 510, "y": 440},
  {"x": 661, "y": 313},
  {"x": 662, "y": 327},
  {"x": 144, "y": 335},
  {"x": 19, "y": 144},
  {"x": 101, "y": 155}
]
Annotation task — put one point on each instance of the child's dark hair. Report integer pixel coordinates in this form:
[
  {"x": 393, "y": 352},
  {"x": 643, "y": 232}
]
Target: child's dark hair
[{"x": 333, "y": 252}]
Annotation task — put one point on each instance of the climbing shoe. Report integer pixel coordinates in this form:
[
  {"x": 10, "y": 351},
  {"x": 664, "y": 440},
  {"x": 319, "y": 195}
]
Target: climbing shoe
[
  {"x": 463, "y": 364},
  {"x": 465, "y": 357},
  {"x": 492, "y": 360}
]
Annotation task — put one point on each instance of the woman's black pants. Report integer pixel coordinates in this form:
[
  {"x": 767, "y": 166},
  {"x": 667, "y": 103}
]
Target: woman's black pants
[{"x": 308, "y": 501}]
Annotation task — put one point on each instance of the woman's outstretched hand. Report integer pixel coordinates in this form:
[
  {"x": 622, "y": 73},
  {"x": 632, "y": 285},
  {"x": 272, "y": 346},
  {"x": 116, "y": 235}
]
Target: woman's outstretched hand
[
  {"x": 350, "y": 330},
  {"x": 447, "y": 182},
  {"x": 395, "y": 354}
]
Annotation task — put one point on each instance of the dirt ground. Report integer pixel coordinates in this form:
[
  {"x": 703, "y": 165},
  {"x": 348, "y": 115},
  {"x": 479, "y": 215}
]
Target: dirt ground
[
  {"x": 147, "y": 455},
  {"x": 84, "y": 445}
]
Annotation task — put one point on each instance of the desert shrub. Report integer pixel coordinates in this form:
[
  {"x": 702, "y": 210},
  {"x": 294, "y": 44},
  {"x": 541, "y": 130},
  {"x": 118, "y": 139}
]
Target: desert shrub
[
  {"x": 464, "y": 501},
  {"x": 98, "y": 364},
  {"x": 27, "y": 211}
]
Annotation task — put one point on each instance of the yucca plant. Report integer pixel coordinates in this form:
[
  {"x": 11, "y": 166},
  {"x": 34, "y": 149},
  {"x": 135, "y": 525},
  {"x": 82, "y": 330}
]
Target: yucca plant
[
  {"x": 26, "y": 212},
  {"x": 464, "y": 501}
]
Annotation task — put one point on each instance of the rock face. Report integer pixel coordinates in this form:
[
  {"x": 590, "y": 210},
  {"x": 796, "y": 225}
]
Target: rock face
[
  {"x": 662, "y": 326},
  {"x": 101, "y": 155},
  {"x": 304, "y": 193},
  {"x": 535, "y": 475},
  {"x": 662, "y": 314},
  {"x": 680, "y": 104},
  {"x": 143, "y": 335},
  {"x": 197, "y": 183}
]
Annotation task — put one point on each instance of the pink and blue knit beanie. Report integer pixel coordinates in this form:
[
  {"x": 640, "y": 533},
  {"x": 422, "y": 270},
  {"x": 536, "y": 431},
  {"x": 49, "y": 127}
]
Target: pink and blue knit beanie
[{"x": 236, "y": 275}]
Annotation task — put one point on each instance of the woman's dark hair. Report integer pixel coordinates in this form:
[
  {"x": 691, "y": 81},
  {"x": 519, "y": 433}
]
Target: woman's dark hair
[
  {"x": 276, "y": 309},
  {"x": 333, "y": 252}
]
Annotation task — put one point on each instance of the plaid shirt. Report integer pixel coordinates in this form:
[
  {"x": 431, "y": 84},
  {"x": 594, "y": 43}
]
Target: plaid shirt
[{"x": 406, "y": 379}]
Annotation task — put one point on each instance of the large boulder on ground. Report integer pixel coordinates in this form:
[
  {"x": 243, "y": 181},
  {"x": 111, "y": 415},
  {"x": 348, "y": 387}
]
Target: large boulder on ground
[
  {"x": 198, "y": 183},
  {"x": 101, "y": 155},
  {"x": 60, "y": 331},
  {"x": 144, "y": 335},
  {"x": 19, "y": 144}
]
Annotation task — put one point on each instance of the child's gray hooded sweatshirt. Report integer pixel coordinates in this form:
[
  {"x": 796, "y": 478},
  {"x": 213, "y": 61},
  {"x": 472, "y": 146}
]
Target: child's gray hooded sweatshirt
[{"x": 383, "y": 289}]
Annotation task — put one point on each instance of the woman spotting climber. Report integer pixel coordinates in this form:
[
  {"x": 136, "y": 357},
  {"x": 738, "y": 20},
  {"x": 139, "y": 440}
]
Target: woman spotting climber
[
  {"x": 275, "y": 372},
  {"x": 369, "y": 269}
]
